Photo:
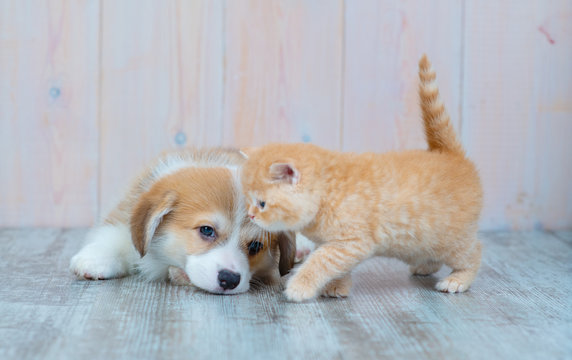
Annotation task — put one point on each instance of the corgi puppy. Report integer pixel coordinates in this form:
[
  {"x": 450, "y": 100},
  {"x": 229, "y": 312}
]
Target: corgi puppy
[{"x": 184, "y": 219}]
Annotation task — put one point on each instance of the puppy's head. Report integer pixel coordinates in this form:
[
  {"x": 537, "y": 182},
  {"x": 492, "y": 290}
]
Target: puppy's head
[{"x": 195, "y": 219}]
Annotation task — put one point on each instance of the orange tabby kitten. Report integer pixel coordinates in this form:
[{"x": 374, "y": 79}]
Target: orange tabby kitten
[{"x": 418, "y": 206}]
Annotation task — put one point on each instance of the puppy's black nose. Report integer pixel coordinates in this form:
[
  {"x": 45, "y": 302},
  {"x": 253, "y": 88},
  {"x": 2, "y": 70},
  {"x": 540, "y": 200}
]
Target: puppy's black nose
[{"x": 228, "y": 279}]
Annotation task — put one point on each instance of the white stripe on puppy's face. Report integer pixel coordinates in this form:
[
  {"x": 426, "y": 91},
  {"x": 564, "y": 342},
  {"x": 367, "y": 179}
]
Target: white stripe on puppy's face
[
  {"x": 218, "y": 259},
  {"x": 223, "y": 269}
]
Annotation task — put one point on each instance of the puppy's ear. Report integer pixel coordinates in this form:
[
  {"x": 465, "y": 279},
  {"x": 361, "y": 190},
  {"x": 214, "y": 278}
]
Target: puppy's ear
[
  {"x": 287, "y": 246},
  {"x": 284, "y": 173},
  {"x": 147, "y": 216}
]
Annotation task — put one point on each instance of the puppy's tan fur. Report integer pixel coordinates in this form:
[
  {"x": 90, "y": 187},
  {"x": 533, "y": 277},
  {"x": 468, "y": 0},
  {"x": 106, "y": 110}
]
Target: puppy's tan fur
[
  {"x": 418, "y": 206},
  {"x": 161, "y": 217}
]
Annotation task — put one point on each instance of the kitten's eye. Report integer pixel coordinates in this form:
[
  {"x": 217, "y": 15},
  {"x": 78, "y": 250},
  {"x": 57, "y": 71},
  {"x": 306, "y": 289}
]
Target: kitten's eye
[
  {"x": 254, "y": 247},
  {"x": 207, "y": 232},
  {"x": 261, "y": 204}
]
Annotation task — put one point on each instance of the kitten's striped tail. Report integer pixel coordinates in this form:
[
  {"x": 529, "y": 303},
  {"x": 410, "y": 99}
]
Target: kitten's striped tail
[{"x": 438, "y": 129}]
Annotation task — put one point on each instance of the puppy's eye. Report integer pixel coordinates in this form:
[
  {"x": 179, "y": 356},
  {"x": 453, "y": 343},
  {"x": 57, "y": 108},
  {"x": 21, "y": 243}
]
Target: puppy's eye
[
  {"x": 254, "y": 247},
  {"x": 207, "y": 232},
  {"x": 261, "y": 204}
]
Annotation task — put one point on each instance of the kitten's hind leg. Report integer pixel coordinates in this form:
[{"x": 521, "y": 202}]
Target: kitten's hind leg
[
  {"x": 425, "y": 268},
  {"x": 338, "y": 288},
  {"x": 465, "y": 265},
  {"x": 330, "y": 261}
]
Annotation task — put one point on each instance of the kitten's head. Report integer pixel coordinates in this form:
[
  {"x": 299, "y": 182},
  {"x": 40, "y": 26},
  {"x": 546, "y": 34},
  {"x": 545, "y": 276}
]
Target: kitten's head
[{"x": 278, "y": 181}]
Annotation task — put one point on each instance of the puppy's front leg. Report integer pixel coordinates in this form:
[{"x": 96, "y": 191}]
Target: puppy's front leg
[
  {"x": 178, "y": 276},
  {"x": 108, "y": 253},
  {"x": 303, "y": 248},
  {"x": 330, "y": 261}
]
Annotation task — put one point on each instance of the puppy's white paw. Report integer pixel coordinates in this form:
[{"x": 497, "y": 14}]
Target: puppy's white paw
[
  {"x": 109, "y": 253},
  {"x": 94, "y": 267},
  {"x": 301, "y": 254},
  {"x": 303, "y": 248}
]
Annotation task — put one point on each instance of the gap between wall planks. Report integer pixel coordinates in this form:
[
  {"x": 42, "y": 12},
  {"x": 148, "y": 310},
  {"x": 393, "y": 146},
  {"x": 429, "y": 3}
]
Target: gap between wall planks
[
  {"x": 162, "y": 74},
  {"x": 48, "y": 112},
  {"x": 283, "y": 71},
  {"x": 518, "y": 110},
  {"x": 384, "y": 41},
  {"x": 341, "y": 74}
]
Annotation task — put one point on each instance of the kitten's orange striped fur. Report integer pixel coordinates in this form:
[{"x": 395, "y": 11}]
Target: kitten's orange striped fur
[{"x": 418, "y": 206}]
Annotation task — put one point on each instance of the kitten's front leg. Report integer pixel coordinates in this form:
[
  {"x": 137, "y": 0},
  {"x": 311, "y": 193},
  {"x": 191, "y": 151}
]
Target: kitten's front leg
[
  {"x": 338, "y": 288},
  {"x": 329, "y": 262}
]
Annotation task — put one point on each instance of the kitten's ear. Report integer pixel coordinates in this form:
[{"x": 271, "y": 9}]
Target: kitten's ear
[
  {"x": 147, "y": 216},
  {"x": 284, "y": 172},
  {"x": 287, "y": 246},
  {"x": 248, "y": 151}
]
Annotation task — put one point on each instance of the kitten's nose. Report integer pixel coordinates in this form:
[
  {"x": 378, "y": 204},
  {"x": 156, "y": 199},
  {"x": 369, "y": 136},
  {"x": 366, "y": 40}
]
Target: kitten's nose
[
  {"x": 251, "y": 216},
  {"x": 228, "y": 280}
]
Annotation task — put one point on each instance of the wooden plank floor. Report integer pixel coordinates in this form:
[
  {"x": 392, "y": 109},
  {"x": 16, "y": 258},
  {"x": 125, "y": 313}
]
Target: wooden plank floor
[{"x": 519, "y": 307}]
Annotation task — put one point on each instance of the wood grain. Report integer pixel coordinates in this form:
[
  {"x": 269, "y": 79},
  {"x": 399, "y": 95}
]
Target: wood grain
[
  {"x": 517, "y": 121},
  {"x": 384, "y": 41},
  {"x": 161, "y": 84},
  {"x": 92, "y": 90},
  {"x": 553, "y": 117},
  {"x": 283, "y": 66},
  {"x": 518, "y": 308},
  {"x": 48, "y": 112}
]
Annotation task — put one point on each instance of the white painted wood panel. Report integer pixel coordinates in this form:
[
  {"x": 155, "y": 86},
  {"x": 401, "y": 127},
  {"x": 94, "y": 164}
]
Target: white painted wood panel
[
  {"x": 90, "y": 91},
  {"x": 518, "y": 110},
  {"x": 161, "y": 84},
  {"x": 553, "y": 113},
  {"x": 384, "y": 41},
  {"x": 283, "y": 66},
  {"x": 49, "y": 64}
]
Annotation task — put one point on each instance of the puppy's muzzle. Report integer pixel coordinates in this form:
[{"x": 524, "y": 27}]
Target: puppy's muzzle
[{"x": 228, "y": 280}]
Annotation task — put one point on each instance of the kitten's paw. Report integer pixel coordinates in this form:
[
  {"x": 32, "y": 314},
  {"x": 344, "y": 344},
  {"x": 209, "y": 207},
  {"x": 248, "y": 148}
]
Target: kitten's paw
[
  {"x": 299, "y": 293},
  {"x": 425, "y": 269},
  {"x": 299, "y": 290},
  {"x": 339, "y": 288},
  {"x": 303, "y": 248},
  {"x": 89, "y": 267},
  {"x": 451, "y": 285}
]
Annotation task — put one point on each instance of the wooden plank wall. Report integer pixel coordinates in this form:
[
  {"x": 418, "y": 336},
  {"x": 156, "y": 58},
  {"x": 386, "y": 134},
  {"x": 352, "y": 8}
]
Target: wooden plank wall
[
  {"x": 92, "y": 90},
  {"x": 49, "y": 104}
]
